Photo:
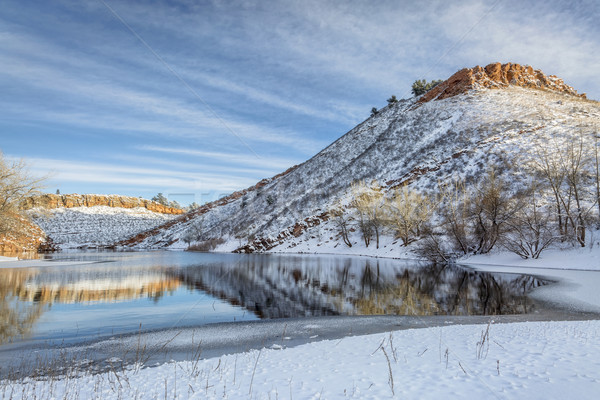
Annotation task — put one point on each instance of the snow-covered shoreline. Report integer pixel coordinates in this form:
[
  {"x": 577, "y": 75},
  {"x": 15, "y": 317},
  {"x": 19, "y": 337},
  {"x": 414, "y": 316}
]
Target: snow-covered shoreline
[
  {"x": 536, "y": 360},
  {"x": 518, "y": 359}
]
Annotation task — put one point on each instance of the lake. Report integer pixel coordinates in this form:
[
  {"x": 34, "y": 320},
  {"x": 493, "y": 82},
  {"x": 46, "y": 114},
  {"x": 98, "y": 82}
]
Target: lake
[{"x": 77, "y": 297}]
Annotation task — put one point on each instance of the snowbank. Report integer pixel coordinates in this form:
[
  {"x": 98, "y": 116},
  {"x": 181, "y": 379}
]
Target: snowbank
[
  {"x": 533, "y": 360},
  {"x": 586, "y": 258}
]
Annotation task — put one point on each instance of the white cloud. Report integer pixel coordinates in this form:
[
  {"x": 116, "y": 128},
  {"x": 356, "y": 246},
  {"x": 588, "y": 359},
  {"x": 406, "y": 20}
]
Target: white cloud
[
  {"x": 228, "y": 158},
  {"x": 184, "y": 116},
  {"x": 63, "y": 171},
  {"x": 288, "y": 77}
]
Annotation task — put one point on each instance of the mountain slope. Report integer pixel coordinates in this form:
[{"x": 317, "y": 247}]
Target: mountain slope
[{"x": 457, "y": 134}]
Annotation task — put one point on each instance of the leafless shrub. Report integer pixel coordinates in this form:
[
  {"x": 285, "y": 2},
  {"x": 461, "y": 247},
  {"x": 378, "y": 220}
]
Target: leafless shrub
[{"x": 207, "y": 245}]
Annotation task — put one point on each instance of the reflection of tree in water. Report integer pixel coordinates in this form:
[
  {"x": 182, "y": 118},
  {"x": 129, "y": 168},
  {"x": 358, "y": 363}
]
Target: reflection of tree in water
[
  {"x": 442, "y": 289},
  {"x": 16, "y": 317},
  {"x": 366, "y": 287}
]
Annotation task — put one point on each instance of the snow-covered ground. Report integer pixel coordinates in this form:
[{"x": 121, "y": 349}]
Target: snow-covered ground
[
  {"x": 582, "y": 258},
  {"x": 533, "y": 360},
  {"x": 95, "y": 226}
]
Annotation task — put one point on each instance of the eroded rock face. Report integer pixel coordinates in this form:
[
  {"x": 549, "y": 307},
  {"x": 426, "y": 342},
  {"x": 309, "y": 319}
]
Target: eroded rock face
[
  {"x": 50, "y": 201},
  {"x": 497, "y": 76},
  {"x": 28, "y": 238}
]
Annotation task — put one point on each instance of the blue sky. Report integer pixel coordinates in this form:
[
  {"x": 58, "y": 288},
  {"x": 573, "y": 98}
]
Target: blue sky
[{"x": 225, "y": 93}]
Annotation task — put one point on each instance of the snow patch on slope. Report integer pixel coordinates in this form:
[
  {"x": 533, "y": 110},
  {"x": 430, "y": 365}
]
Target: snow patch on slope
[{"x": 95, "y": 226}]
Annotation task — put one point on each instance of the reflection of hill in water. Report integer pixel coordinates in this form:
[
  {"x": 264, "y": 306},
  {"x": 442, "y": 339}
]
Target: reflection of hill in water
[
  {"x": 26, "y": 293},
  {"x": 97, "y": 285},
  {"x": 288, "y": 287}
]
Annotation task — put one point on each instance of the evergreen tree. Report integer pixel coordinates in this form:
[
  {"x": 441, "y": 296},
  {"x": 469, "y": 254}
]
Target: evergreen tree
[
  {"x": 161, "y": 199},
  {"x": 421, "y": 86},
  {"x": 192, "y": 206}
]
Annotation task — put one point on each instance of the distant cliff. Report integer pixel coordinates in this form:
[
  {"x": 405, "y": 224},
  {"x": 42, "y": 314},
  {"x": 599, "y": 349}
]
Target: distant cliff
[{"x": 51, "y": 201}]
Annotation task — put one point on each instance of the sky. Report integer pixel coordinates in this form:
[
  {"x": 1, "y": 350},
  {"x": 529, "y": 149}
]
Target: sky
[{"x": 196, "y": 99}]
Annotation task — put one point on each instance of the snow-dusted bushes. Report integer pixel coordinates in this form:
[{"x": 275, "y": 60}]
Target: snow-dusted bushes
[
  {"x": 95, "y": 226},
  {"x": 207, "y": 245}
]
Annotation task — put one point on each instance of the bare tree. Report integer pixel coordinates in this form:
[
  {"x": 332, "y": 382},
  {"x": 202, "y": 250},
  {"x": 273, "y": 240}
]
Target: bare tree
[
  {"x": 342, "y": 220},
  {"x": 530, "y": 230},
  {"x": 473, "y": 220},
  {"x": 548, "y": 167},
  {"x": 568, "y": 173},
  {"x": 408, "y": 212},
  {"x": 368, "y": 201},
  {"x": 194, "y": 232},
  {"x": 16, "y": 184},
  {"x": 455, "y": 212},
  {"x": 573, "y": 164},
  {"x": 491, "y": 208}
]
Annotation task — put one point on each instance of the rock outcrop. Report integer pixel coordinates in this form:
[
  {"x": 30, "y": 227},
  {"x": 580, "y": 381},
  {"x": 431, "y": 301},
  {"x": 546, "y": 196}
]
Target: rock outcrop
[
  {"x": 29, "y": 238},
  {"x": 51, "y": 201},
  {"x": 497, "y": 76}
]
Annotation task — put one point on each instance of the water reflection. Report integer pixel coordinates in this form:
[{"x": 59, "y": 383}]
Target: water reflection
[
  {"x": 283, "y": 287},
  {"x": 103, "y": 284},
  {"x": 26, "y": 294},
  {"x": 103, "y": 294},
  {"x": 16, "y": 317}
]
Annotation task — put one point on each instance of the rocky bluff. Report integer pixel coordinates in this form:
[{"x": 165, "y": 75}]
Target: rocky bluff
[
  {"x": 50, "y": 201},
  {"x": 497, "y": 76}
]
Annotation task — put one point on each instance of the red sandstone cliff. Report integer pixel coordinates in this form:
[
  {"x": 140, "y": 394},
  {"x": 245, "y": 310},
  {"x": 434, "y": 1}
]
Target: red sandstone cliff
[
  {"x": 496, "y": 76},
  {"x": 50, "y": 201}
]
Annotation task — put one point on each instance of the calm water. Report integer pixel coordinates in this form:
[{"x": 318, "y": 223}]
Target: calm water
[{"x": 110, "y": 294}]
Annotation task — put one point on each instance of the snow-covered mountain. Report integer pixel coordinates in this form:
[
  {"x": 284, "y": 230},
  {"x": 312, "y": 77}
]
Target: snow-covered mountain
[{"x": 480, "y": 117}]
